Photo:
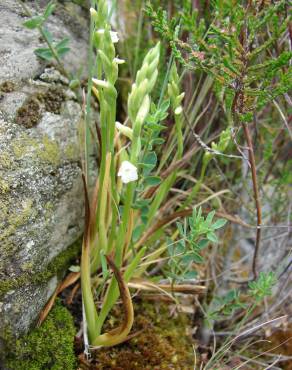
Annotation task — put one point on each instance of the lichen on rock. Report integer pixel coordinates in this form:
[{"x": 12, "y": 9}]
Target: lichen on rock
[{"x": 41, "y": 193}]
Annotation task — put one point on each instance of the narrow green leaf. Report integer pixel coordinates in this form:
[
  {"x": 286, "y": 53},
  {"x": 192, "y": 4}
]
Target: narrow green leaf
[
  {"x": 34, "y": 22},
  {"x": 103, "y": 265},
  {"x": 157, "y": 141},
  {"x": 203, "y": 243},
  {"x": 212, "y": 237},
  {"x": 48, "y": 34},
  {"x": 210, "y": 217},
  {"x": 149, "y": 162},
  {"x": 44, "y": 53},
  {"x": 62, "y": 51},
  {"x": 137, "y": 233},
  {"x": 49, "y": 9},
  {"x": 190, "y": 275},
  {"x": 165, "y": 105},
  {"x": 152, "y": 180},
  {"x": 219, "y": 223},
  {"x": 63, "y": 43}
]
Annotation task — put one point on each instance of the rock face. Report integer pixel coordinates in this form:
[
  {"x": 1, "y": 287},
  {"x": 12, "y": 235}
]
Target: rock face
[{"x": 41, "y": 197}]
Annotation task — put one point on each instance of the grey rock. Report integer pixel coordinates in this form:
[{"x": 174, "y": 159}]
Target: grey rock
[{"x": 41, "y": 192}]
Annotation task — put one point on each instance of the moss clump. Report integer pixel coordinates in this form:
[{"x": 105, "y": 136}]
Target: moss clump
[
  {"x": 53, "y": 99},
  {"x": 58, "y": 264},
  {"x": 7, "y": 87},
  {"x": 29, "y": 114},
  {"x": 161, "y": 342},
  {"x": 49, "y": 347}
]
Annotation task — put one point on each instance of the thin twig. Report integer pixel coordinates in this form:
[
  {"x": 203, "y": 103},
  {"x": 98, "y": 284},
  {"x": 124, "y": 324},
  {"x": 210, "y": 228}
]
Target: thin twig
[
  {"x": 256, "y": 197},
  {"x": 238, "y": 108}
]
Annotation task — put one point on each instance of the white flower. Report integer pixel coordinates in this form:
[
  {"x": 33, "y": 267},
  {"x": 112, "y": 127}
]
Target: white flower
[
  {"x": 93, "y": 12},
  {"x": 114, "y": 35},
  {"x": 178, "y": 110},
  {"x": 101, "y": 83},
  {"x": 119, "y": 61},
  {"x": 128, "y": 172}
]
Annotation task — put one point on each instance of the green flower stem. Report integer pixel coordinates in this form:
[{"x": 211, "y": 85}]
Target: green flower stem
[
  {"x": 130, "y": 190},
  {"x": 103, "y": 202},
  {"x": 87, "y": 296}
]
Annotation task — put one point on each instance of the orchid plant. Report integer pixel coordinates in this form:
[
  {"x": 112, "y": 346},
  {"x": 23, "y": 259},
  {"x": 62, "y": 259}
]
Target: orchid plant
[
  {"x": 121, "y": 213},
  {"x": 109, "y": 215}
]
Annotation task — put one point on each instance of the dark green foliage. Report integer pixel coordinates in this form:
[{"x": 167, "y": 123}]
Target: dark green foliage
[{"x": 233, "y": 49}]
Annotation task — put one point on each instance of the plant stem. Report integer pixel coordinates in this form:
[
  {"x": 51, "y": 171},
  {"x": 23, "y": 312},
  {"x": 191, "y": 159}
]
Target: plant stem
[
  {"x": 87, "y": 296},
  {"x": 256, "y": 196},
  {"x": 238, "y": 109},
  {"x": 43, "y": 34},
  {"x": 53, "y": 51}
]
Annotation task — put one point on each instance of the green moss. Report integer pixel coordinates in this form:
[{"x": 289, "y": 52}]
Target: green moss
[
  {"x": 58, "y": 264},
  {"x": 49, "y": 347}
]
